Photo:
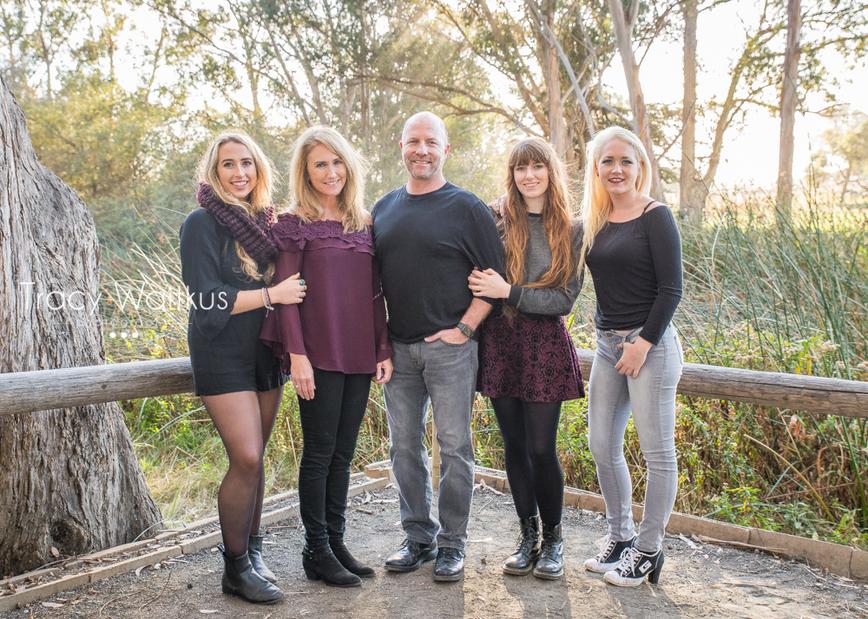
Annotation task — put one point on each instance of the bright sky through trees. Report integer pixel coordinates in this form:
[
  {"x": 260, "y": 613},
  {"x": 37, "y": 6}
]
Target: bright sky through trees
[{"x": 750, "y": 154}]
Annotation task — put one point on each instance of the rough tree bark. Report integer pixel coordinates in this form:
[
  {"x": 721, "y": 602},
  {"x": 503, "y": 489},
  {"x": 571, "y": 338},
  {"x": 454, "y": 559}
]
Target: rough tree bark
[
  {"x": 693, "y": 191},
  {"x": 69, "y": 480},
  {"x": 788, "y": 107},
  {"x": 624, "y": 39}
]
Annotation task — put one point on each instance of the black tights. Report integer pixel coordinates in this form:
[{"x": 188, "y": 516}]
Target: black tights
[
  {"x": 244, "y": 420},
  {"x": 530, "y": 449},
  {"x": 330, "y": 426}
]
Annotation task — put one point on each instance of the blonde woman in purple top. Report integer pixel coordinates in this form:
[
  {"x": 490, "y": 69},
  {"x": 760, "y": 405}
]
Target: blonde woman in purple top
[{"x": 334, "y": 342}]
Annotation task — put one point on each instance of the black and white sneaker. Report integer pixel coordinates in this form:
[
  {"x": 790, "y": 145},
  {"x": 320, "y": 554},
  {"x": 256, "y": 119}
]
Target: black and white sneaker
[
  {"x": 634, "y": 567},
  {"x": 609, "y": 555}
]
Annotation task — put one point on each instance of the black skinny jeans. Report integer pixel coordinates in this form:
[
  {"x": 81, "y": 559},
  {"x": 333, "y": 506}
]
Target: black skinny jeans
[
  {"x": 329, "y": 425},
  {"x": 530, "y": 431}
]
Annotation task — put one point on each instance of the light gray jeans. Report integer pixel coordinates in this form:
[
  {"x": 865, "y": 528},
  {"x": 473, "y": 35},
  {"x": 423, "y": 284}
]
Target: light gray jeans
[
  {"x": 651, "y": 395},
  {"x": 445, "y": 375}
]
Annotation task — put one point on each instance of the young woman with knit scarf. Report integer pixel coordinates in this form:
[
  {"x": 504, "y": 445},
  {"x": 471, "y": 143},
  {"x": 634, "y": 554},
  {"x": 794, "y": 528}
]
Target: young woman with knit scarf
[
  {"x": 227, "y": 265},
  {"x": 633, "y": 250},
  {"x": 528, "y": 364},
  {"x": 333, "y": 343}
]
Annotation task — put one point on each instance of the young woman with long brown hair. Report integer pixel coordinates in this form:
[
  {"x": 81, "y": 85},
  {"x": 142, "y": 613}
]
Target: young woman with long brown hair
[
  {"x": 227, "y": 266},
  {"x": 528, "y": 365}
]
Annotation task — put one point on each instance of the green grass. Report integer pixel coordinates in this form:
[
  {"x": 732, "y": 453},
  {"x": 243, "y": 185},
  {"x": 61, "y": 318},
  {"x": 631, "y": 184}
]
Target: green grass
[{"x": 789, "y": 298}]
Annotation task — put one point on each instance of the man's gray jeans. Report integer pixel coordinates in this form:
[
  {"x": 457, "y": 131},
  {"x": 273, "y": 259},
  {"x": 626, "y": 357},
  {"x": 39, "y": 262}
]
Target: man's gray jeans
[{"x": 445, "y": 375}]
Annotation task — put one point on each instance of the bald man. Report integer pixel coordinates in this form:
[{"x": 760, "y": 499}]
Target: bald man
[{"x": 429, "y": 235}]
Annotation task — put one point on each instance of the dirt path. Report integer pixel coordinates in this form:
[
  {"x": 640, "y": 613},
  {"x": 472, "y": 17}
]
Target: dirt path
[{"x": 698, "y": 580}]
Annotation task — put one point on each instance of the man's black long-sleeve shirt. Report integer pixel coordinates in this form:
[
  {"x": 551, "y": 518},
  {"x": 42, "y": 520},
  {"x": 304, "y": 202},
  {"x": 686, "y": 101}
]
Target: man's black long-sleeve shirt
[{"x": 426, "y": 246}]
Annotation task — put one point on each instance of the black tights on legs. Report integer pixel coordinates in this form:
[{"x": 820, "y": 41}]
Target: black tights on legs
[
  {"x": 242, "y": 427},
  {"x": 530, "y": 449},
  {"x": 269, "y": 404}
]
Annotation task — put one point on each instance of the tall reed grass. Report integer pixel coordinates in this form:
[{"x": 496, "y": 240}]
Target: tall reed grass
[{"x": 760, "y": 292}]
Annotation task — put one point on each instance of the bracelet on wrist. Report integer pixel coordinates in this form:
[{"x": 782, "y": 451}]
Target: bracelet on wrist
[
  {"x": 266, "y": 299},
  {"x": 467, "y": 330}
]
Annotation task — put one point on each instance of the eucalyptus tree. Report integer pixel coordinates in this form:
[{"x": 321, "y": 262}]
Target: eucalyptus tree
[
  {"x": 623, "y": 24},
  {"x": 789, "y": 87},
  {"x": 830, "y": 28}
]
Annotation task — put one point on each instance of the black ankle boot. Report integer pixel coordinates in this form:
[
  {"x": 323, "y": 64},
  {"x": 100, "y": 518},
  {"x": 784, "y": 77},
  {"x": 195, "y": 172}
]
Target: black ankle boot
[
  {"x": 239, "y": 578},
  {"x": 551, "y": 561},
  {"x": 254, "y": 551},
  {"x": 320, "y": 563},
  {"x": 522, "y": 560},
  {"x": 342, "y": 554}
]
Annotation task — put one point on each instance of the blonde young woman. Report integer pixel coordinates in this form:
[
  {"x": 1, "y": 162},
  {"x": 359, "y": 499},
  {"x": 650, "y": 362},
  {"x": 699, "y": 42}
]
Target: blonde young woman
[
  {"x": 528, "y": 364},
  {"x": 226, "y": 264},
  {"x": 335, "y": 342},
  {"x": 633, "y": 250}
]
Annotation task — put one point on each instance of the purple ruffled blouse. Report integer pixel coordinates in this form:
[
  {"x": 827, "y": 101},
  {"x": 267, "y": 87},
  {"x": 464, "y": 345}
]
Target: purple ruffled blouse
[{"x": 341, "y": 325}]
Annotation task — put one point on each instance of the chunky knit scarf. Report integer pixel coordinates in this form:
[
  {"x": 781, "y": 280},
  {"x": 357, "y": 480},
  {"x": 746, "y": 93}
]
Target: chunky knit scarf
[{"x": 252, "y": 232}]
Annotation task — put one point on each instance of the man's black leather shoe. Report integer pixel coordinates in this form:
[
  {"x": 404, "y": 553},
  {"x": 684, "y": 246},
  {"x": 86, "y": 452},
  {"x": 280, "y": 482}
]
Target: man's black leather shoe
[
  {"x": 449, "y": 565},
  {"x": 410, "y": 556}
]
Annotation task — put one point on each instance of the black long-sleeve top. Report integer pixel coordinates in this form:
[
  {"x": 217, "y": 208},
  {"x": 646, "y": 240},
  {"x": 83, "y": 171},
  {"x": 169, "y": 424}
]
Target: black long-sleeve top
[{"x": 636, "y": 268}]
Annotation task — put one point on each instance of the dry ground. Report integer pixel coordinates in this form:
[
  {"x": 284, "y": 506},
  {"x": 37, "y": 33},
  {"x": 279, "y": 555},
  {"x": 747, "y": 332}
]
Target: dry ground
[{"x": 698, "y": 580}]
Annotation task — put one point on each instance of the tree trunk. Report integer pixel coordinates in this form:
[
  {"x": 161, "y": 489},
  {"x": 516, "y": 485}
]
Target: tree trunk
[
  {"x": 788, "y": 108},
  {"x": 548, "y": 56},
  {"x": 692, "y": 189},
  {"x": 69, "y": 480},
  {"x": 641, "y": 125},
  {"x": 845, "y": 186}
]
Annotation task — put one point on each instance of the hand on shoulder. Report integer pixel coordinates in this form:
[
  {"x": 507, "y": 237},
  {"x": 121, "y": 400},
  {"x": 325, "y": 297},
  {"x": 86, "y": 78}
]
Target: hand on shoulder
[{"x": 497, "y": 205}]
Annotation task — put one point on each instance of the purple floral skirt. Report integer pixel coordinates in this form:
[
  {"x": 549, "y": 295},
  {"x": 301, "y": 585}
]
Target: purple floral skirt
[{"x": 532, "y": 359}]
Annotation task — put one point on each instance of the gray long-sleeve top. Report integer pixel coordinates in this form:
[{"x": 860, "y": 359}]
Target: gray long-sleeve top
[{"x": 538, "y": 259}]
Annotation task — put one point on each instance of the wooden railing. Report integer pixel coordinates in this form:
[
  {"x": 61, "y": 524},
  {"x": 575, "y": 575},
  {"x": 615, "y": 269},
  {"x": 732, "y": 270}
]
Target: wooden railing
[{"x": 22, "y": 392}]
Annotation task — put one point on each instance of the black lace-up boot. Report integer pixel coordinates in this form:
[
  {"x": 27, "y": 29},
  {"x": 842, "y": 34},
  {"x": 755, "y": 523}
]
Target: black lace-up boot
[
  {"x": 522, "y": 560},
  {"x": 550, "y": 565}
]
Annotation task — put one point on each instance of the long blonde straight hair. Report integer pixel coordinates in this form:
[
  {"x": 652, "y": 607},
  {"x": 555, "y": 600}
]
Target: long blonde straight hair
[
  {"x": 260, "y": 196},
  {"x": 556, "y": 217},
  {"x": 351, "y": 201},
  {"x": 596, "y": 203}
]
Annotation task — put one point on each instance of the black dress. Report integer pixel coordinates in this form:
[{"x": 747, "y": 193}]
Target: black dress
[{"x": 225, "y": 350}]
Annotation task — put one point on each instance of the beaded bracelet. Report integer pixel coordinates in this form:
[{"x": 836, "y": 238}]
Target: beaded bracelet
[{"x": 266, "y": 299}]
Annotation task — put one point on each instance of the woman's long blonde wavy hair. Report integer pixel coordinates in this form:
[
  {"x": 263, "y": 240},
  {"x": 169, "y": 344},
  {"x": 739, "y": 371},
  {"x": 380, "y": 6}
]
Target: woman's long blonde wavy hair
[
  {"x": 596, "y": 203},
  {"x": 259, "y": 198},
  {"x": 351, "y": 200},
  {"x": 556, "y": 217}
]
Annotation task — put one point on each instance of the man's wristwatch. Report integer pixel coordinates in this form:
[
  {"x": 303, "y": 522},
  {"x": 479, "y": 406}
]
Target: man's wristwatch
[{"x": 466, "y": 330}]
